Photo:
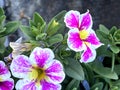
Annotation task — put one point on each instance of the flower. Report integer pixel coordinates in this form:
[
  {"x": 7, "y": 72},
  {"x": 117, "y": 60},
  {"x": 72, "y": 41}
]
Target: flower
[
  {"x": 19, "y": 47},
  {"x": 81, "y": 36},
  {"x": 6, "y": 83},
  {"x": 38, "y": 72}
]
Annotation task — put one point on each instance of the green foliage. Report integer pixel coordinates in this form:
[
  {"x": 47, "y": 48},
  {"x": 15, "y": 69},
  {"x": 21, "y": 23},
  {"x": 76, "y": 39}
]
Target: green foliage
[
  {"x": 74, "y": 69},
  {"x": 103, "y": 29},
  {"x": 55, "y": 39},
  {"x": 1, "y": 12},
  {"x": 2, "y": 47},
  {"x": 38, "y": 20},
  {"x": 8, "y": 28},
  {"x": 26, "y": 30},
  {"x": 73, "y": 84},
  {"x": 104, "y": 71},
  {"x": 55, "y": 24},
  {"x": 117, "y": 35},
  {"x": 97, "y": 86},
  {"x": 40, "y": 31},
  {"x": 114, "y": 49}
]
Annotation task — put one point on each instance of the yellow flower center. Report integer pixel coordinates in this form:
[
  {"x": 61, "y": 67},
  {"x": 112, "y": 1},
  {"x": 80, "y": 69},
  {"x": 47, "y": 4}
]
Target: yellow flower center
[
  {"x": 0, "y": 78},
  {"x": 37, "y": 74},
  {"x": 83, "y": 34}
]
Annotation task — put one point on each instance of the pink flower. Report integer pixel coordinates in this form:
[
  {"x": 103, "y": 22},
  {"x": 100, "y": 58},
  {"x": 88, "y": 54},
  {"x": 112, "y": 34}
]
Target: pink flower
[
  {"x": 81, "y": 36},
  {"x": 40, "y": 71},
  {"x": 6, "y": 83}
]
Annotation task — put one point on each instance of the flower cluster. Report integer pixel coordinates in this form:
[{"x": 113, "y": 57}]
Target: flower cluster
[
  {"x": 81, "y": 36},
  {"x": 33, "y": 65}
]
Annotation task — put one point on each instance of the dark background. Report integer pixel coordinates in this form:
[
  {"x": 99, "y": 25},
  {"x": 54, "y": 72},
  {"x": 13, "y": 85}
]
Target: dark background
[{"x": 105, "y": 12}]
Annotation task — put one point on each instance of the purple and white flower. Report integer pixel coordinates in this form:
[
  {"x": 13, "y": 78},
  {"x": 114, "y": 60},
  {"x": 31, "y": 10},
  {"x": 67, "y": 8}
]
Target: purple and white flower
[
  {"x": 40, "y": 71},
  {"x": 6, "y": 83},
  {"x": 81, "y": 36}
]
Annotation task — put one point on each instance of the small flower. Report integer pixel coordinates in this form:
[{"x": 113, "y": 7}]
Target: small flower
[
  {"x": 81, "y": 37},
  {"x": 38, "y": 72},
  {"x": 6, "y": 83},
  {"x": 19, "y": 48}
]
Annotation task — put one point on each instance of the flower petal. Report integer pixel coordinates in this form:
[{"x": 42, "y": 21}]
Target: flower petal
[
  {"x": 4, "y": 72},
  {"x": 86, "y": 21},
  {"x": 88, "y": 55},
  {"x": 74, "y": 42},
  {"x": 93, "y": 39},
  {"x": 20, "y": 66},
  {"x": 54, "y": 71},
  {"x": 50, "y": 86},
  {"x": 41, "y": 56},
  {"x": 7, "y": 85},
  {"x": 72, "y": 19},
  {"x": 27, "y": 85}
]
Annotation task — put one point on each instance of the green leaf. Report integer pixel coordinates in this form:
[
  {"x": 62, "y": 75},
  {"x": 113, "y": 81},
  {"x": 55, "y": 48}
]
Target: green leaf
[
  {"x": 1, "y": 12},
  {"x": 104, "y": 51},
  {"x": 73, "y": 84},
  {"x": 41, "y": 36},
  {"x": 97, "y": 86},
  {"x": 115, "y": 85},
  {"x": 42, "y": 28},
  {"x": 106, "y": 87},
  {"x": 74, "y": 69},
  {"x": 112, "y": 30},
  {"x": 117, "y": 69},
  {"x": 2, "y": 47},
  {"x": 53, "y": 27},
  {"x": 89, "y": 73},
  {"x": 103, "y": 29},
  {"x": 114, "y": 49},
  {"x": 55, "y": 39},
  {"x": 2, "y": 19},
  {"x": 103, "y": 37},
  {"x": 74, "y": 89},
  {"x": 2, "y": 30},
  {"x": 101, "y": 34},
  {"x": 55, "y": 24},
  {"x": 26, "y": 30},
  {"x": 117, "y": 35},
  {"x": 114, "y": 88},
  {"x": 31, "y": 23},
  {"x": 38, "y": 19},
  {"x": 104, "y": 71},
  {"x": 10, "y": 28}
]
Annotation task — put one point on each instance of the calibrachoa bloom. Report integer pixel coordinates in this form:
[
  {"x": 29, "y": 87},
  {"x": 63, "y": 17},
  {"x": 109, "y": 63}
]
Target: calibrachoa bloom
[
  {"x": 81, "y": 36},
  {"x": 6, "y": 83},
  {"x": 40, "y": 71}
]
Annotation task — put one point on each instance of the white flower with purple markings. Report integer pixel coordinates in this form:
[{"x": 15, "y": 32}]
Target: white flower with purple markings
[
  {"x": 6, "y": 83},
  {"x": 40, "y": 71},
  {"x": 81, "y": 36}
]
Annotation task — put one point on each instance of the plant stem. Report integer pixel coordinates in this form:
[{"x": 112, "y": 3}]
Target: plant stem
[
  {"x": 113, "y": 62},
  {"x": 56, "y": 46}
]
